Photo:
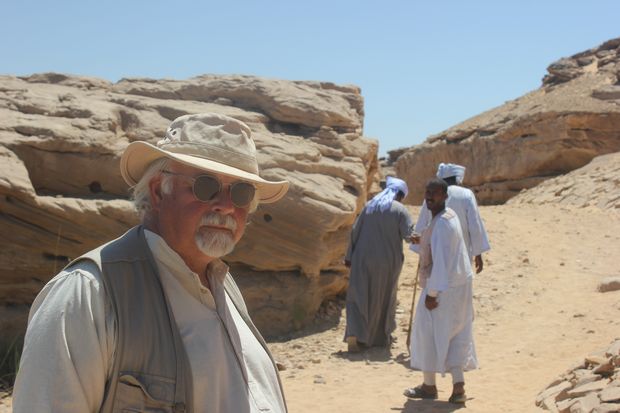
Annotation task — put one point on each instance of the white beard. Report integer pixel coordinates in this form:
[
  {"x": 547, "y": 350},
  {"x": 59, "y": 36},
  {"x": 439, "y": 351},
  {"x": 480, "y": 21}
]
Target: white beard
[{"x": 216, "y": 243}]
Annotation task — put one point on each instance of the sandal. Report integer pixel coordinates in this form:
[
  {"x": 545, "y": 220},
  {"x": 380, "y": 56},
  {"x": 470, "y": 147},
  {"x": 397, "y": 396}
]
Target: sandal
[
  {"x": 458, "y": 398},
  {"x": 418, "y": 392}
]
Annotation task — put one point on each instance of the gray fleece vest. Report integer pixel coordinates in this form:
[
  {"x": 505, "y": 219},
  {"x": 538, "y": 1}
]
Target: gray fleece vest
[{"x": 150, "y": 371}]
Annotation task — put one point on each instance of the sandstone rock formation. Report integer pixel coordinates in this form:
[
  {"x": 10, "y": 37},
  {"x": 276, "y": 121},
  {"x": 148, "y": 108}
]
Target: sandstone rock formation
[
  {"x": 573, "y": 117},
  {"x": 597, "y": 184},
  {"x": 61, "y": 192},
  {"x": 591, "y": 386}
]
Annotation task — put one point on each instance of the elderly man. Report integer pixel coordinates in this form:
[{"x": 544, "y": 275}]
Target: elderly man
[
  {"x": 441, "y": 337},
  {"x": 375, "y": 256},
  {"x": 153, "y": 321},
  {"x": 462, "y": 201}
]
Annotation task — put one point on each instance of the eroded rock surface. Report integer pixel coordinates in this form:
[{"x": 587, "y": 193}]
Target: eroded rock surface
[
  {"x": 61, "y": 192},
  {"x": 595, "y": 185}
]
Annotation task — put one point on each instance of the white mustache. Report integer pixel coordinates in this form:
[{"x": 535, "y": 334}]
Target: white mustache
[{"x": 216, "y": 219}]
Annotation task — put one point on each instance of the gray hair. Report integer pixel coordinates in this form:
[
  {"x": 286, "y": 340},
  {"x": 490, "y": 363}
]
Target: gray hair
[
  {"x": 140, "y": 192},
  {"x": 141, "y": 195}
]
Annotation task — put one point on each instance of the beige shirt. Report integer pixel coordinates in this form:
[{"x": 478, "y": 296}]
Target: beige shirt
[{"x": 72, "y": 335}]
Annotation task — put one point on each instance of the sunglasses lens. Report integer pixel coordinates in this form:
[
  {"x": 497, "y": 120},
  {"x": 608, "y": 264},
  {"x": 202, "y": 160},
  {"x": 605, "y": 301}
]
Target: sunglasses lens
[
  {"x": 206, "y": 187},
  {"x": 242, "y": 194}
]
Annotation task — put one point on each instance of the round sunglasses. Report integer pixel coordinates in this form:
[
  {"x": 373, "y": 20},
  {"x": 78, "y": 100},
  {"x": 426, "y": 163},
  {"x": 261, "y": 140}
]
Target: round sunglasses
[{"x": 207, "y": 187}]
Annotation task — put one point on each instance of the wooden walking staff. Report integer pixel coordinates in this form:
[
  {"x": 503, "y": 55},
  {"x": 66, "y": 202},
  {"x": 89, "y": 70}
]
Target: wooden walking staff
[{"x": 415, "y": 290}]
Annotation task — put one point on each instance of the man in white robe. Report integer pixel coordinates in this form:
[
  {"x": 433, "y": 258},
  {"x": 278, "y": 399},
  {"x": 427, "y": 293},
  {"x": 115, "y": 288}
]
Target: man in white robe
[
  {"x": 441, "y": 336},
  {"x": 462, "y": 201}
]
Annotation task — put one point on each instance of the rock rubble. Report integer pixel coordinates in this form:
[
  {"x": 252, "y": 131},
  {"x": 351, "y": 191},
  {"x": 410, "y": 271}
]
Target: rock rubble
[{"x": 591, "y": 386}]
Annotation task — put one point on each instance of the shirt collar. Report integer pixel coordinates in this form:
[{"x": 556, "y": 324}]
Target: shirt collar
[{"x": 164, "y": 255}]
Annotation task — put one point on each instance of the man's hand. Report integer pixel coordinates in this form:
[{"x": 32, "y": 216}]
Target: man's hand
[
  {"x": 478, "y": 262},
  {"x": 415, "y": 239},
  {"x": 431, "y": 302},
  {"x": 347, "y": 263}
]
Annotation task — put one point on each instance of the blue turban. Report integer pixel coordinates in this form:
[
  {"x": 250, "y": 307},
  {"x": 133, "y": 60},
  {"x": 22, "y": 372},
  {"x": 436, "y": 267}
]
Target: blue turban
[{"x": 383, "y": 200}]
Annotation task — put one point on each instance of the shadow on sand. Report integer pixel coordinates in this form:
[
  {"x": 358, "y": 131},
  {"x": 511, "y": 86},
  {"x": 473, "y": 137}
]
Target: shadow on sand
[
  {"x": 367, "y": 354},
  {"x": 327, "y": 318},
  {"x": 422, "y": 406}
]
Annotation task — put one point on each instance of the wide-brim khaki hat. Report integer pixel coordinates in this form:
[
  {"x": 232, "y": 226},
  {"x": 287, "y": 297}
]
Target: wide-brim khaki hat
[{"x": 208, "y": 141}]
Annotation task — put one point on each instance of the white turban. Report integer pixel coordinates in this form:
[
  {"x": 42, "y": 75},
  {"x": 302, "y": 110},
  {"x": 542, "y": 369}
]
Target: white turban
[
  {"x": 446, "y": 170},
  {"x": 383, "y": 200}
]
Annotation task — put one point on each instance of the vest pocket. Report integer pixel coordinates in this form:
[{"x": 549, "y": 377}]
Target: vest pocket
[{"x": 144, "y": 393}]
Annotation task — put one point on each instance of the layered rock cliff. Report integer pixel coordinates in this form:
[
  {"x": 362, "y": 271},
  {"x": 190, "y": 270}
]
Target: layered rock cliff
[
  {"x": 61, "y": 192},
  {"x": 572, "y": 118}
]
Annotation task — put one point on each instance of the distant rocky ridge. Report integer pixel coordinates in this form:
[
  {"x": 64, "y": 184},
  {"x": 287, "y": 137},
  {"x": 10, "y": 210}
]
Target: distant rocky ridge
[
  {"x": 572, "y": 118},
  {"x": 593, "y": 385},
  {"x": 61, "y": 192},
  {"x": 595, "y": 185}
]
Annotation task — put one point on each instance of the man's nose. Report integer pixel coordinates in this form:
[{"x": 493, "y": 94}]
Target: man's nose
[{"x": 222, "y": 201}]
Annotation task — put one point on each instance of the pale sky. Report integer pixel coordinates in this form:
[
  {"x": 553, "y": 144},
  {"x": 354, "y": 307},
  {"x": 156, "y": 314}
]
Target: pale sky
[{"x": 423, "y": 66}]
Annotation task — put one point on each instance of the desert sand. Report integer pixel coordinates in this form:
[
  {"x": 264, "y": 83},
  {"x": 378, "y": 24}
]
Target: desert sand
[{"x": 538, "y": 312}]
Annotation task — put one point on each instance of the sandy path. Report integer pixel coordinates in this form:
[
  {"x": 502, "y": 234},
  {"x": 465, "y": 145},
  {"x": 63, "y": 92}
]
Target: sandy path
[{"x": 537, "y": 314}]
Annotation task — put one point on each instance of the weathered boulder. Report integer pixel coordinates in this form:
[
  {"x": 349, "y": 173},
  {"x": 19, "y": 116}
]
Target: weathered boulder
[
  {"x": 61, "y": 192},
  {"x": 572, "y": 118}
]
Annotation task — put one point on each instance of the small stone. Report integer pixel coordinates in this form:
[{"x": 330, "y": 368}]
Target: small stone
[
  {"x": 526, "y": 260},
  {"x": 609, "y": 284},
  {"x": 596, "y": 360},
  {"x": 316, "y": 361},
  {"x": 585, "y": 404},
  {"x": 605, "y": 370},
  {"x": 564, "y": 405},
  {"x": 559, "y": 390},
  {"x": 610, "y": 394},
  {"x": 584, "y": 389},
  {"x": 614, "y": 349},
  {"x": 607, "y": 408},
  {"x": 319, "y": 380},
  {"x": 549, "y": 404},
  {"x": 585, "y": 378}
]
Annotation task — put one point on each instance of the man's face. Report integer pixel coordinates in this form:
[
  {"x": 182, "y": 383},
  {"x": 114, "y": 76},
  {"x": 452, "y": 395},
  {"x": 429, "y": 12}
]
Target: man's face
[
  {"x": 435, "y": 197},
  {"x": 198, "y": 230}
]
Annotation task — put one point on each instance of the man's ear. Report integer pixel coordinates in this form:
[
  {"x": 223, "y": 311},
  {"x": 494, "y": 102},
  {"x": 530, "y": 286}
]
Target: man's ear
[{"x": 155, "y": 192}]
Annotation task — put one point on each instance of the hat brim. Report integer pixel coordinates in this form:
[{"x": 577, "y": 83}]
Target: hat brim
[{"x": 139, "y": 155}]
